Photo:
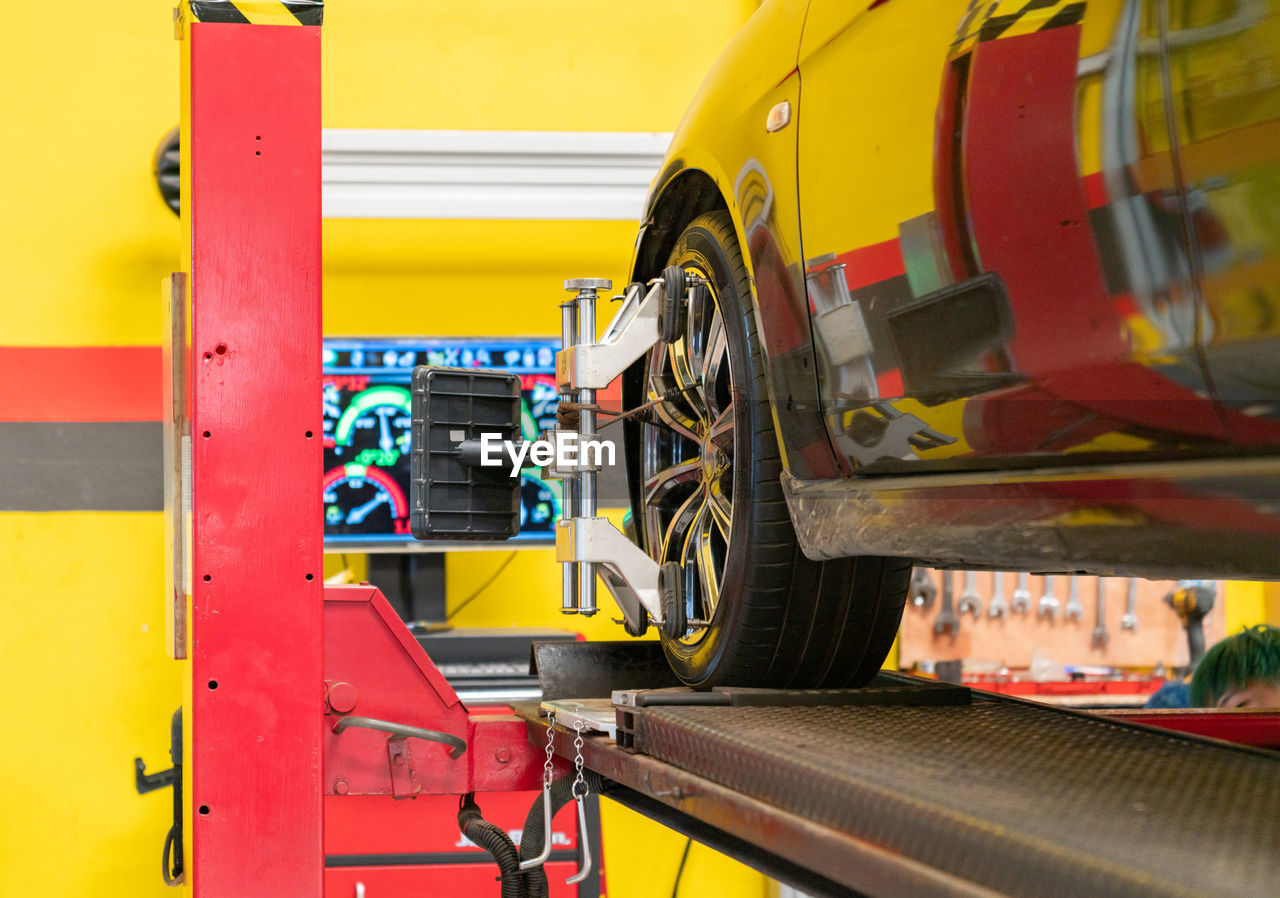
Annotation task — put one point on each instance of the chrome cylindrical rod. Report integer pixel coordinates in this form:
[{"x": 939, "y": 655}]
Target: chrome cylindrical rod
[
  {"x": 569, "y": 483},
  {"x": 586, "y": 302}
]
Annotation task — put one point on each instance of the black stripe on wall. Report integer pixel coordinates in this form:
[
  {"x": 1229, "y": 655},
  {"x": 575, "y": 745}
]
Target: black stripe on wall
[
  {"x": 81, "y": 466},
  {"x": 119, "y": 466}
]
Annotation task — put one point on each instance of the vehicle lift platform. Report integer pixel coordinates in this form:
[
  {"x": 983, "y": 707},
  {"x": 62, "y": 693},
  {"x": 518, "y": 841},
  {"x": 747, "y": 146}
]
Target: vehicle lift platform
[{"x": 913, "y": 787}]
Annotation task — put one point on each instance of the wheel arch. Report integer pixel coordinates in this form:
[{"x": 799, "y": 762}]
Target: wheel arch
[{"x": 685, "y": 195}]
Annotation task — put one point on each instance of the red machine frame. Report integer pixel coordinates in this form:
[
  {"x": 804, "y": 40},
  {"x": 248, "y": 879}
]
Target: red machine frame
[
  {"x": 374, "y": 668},
  {"x": 251, "y": 250},
  {"x": 272, "y": 658}
]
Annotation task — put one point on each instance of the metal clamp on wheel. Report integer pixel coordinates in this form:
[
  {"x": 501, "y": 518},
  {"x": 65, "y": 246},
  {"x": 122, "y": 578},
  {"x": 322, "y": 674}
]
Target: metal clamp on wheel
[{"x": 585, "y": 543}]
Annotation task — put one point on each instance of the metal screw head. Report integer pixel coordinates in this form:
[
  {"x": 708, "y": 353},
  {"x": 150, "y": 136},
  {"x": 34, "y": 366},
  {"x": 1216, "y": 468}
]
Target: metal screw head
[
  {"x": 340, "y": 787},
  {"x": 342, "y": 697},
  {"x": 588, "y": 284}
]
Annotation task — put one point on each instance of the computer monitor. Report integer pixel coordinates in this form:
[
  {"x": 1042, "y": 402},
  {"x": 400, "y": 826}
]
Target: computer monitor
[{"x": 367, "y": 415}]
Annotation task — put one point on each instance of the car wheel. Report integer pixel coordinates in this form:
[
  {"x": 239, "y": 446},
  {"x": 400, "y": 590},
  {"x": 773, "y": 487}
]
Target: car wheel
[{"x": 756, "y": 612}]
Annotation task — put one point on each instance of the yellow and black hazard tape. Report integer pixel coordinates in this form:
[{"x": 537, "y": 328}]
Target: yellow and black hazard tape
[
  {"x": 983, "y": 24},
  {"x": 258, "y": 12}
]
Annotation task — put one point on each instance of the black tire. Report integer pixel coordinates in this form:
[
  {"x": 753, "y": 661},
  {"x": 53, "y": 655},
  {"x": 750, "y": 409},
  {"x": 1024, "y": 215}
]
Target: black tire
[{"x": 775, "y": 618}]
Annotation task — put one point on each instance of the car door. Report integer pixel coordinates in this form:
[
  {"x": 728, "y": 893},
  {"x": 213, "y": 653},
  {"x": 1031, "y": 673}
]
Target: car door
[
  {"x": 991, "y": 282},
  {"x": 1223, "y": 72}
]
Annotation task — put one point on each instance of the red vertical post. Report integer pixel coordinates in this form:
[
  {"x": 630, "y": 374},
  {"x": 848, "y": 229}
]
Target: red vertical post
[{"x": 251, "y": 226}]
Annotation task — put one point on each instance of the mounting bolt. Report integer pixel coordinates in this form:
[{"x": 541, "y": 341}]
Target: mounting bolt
[
  {"x": 503, "y": 756},
  {"x": 340, "y": 787},
  {"x": 342, "y": 697}
]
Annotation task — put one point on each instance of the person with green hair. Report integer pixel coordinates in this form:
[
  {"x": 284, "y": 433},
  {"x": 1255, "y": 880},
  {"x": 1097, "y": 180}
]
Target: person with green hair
[{"x": 1241, "y": 671}]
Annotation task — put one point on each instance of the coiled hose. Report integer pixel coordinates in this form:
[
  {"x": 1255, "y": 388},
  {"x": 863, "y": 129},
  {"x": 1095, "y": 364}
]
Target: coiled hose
[
  {"x": 496, "y": 842},
  {"x": 532, "y": 836}
]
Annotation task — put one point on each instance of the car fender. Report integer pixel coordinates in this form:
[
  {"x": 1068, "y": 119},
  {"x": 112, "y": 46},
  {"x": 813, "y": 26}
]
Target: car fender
[{"x": 722, "y": 156}]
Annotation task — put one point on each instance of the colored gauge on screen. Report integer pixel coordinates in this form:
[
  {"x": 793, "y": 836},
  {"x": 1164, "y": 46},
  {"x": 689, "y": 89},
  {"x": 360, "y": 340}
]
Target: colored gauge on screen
[
  {"x": 538, "y": 408},
  {"x": 374, "y": 429},
  {"x": 539, "y": 503},
  {"x": 362, "y": 499}
]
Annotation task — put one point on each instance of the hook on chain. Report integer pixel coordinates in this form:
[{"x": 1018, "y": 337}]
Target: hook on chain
[{"x": 579, "y": 791}]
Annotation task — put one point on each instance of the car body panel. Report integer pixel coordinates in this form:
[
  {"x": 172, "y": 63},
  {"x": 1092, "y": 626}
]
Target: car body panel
[
  {"x": 1017, "y": 270},
  {"x": 978, "y": 166},
  {"x": 1224, "y": 59},
  {"x": 754, "y": 175},
  {"x": 1171, "y": 519}
]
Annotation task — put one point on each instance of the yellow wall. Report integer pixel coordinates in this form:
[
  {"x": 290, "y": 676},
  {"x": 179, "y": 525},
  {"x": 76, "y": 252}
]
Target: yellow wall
[
  {"x": 1247, "y": 604},
  {"x": 86, "y": 240},
  {"x": 88, "y": 94},
  {"x": 89, "y": 687}
]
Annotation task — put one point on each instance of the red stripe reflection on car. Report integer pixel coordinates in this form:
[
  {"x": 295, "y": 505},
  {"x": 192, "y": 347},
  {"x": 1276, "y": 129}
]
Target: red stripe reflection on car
[
  {"x": 871, "y": 264},
  {"x": 1026, "y": 206},
  {"x": 889, "y": 384}
]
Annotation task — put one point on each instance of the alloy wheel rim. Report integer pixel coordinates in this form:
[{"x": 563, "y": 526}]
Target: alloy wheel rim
[{"x": 687, "y": 454}]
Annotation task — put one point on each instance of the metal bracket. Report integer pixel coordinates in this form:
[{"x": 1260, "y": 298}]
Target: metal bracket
[
  {"x": 632, "y": 332},
  {"x": 590, "y": 546},
  {"x": 552, "y": 471},
  {"x": 148, "y": 782},
  {"x": 404, "y": 783},
  {"x": 630, "y": 575},
  {"x": 401, "y": 731}
]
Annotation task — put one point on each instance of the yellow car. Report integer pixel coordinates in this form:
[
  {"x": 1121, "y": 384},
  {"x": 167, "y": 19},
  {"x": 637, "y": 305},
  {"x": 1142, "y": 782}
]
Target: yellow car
[{"x": 984, "y": 284}]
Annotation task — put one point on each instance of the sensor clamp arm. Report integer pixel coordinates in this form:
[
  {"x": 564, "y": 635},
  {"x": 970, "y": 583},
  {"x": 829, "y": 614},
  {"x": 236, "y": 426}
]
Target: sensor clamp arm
[{"x": 632, "y": 332}]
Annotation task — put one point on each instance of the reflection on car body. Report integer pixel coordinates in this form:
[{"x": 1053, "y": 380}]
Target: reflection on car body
[{"x": 1016, "y": 275}]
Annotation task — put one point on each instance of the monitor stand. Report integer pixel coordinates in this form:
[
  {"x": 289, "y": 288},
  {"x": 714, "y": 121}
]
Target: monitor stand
[{"x": 413, "y": 582}]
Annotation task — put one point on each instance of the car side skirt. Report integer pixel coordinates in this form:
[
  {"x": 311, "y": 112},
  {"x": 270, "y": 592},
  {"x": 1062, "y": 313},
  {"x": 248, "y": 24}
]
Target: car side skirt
[{"x": 1215, "y": 518}]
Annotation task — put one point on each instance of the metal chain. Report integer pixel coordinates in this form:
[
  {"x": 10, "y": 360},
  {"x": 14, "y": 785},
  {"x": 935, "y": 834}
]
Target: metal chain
[
  {"x": 548, "y": 767},
  {"x": 577, "y": 763}
]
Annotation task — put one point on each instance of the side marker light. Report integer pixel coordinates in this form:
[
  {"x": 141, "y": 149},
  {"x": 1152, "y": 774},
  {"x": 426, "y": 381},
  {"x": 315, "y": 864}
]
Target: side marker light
[{"x": 779, "y": 117}]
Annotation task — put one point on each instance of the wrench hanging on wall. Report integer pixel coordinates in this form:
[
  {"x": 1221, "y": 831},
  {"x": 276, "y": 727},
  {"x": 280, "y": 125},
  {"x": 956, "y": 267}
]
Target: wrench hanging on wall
[
  {"x": 970, "y": 600},
  {"x": 1130, "y": 619},
  {"x": 1100, "y": 635},
  {"x": 1048, "y": 601},
  {"x": 1022, "y": 595},
  {"x": 922, "y": 590},
  {"x": 946, "y": 621},
  {"x": 1073, "y": 611},
  {"x": 997, "y": 607}
]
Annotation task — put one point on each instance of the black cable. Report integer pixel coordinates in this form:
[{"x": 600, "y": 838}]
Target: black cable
[
  {"x": 643, "y": 411},
  {"x": 171, "y": 871},
  {"x": 688, "y": 843},
  {"x": 483, "y": 586},
  {"x": 496, "y": 842}
]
